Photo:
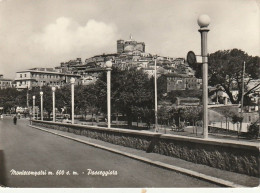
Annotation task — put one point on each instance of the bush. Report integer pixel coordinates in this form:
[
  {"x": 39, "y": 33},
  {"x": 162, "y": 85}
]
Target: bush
[
  {"x": 253, "y": 130},
  {"x": 237, "y": 119}
]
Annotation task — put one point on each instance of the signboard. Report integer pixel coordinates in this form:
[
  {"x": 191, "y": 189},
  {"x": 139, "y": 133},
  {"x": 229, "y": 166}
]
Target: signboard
[{"x": 191, "y": 58}]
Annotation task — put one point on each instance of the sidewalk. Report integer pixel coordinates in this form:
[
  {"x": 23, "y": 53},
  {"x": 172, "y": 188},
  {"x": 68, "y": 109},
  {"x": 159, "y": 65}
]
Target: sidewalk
[{"x": 207, "y": 173}]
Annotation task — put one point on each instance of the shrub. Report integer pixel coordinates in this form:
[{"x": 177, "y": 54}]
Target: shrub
[{"x": 253, "y": 130}]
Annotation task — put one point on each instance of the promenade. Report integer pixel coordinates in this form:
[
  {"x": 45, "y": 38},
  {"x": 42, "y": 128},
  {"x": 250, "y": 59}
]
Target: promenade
[{"x": 35, "y": 149}]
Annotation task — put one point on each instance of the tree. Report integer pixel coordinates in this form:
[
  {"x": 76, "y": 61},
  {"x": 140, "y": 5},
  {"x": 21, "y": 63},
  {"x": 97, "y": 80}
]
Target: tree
[
  {"x": 228, "y": 112},
  {"x": 225, "y": 69},
  {"x": 130, "y": 90},
  {"x": 11, "y": 98},
  {"x": 47, "y": 98},
  {"x": 63, "y": 98},
  {"x": 164, "y": 114},
  {"x": 193, "y": 115}
]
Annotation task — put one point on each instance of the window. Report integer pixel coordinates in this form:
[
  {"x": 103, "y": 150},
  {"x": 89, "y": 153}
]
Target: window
[
  {"x": 21, "y": 75},
  {"x": 24, "y": 75},
  {"x": 249, "y": 118}
]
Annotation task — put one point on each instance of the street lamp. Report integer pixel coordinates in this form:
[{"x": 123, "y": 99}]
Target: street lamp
[
  {"x": 109, "y": 68},
  {"x": 41, "y": 94},
  {"x": 33, "y": 107},
  {"x": 72, "y": 81},
  {"x": 53, "y": 103},
  {"x": 155, "y": 95},
  {"x": 203, "y": 22},
  {"x": 27, "y": 97}
]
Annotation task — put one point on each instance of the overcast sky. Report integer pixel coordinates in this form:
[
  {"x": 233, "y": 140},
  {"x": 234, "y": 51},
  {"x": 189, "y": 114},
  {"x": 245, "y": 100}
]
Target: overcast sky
[{"x": 43, "y": 33}]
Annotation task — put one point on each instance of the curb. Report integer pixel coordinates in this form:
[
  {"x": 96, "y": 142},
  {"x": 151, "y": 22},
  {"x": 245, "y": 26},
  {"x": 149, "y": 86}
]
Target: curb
[{"x": 188, "y": 172}]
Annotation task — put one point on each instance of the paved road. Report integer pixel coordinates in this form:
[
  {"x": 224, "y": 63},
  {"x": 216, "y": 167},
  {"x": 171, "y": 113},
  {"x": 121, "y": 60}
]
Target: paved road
[{"x": 25, "y": 148}]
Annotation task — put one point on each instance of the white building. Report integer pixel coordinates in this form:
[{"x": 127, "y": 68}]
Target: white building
[{"x": 34, "y": 78}]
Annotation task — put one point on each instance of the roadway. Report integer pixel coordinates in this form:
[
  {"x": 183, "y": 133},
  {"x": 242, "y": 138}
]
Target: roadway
[{"x": 23, "y": 148}]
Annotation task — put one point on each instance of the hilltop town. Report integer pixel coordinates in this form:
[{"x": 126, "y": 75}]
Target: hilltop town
[{"x": 130, "y": 54}]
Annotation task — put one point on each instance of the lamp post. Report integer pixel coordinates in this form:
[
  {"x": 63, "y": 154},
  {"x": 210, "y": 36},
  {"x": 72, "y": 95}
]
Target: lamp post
[
  {"x": 53, "y": 103},
  {"x": 242, "y": 97},
  {"x": 203, "y": 22},
  {"x": 109, "y": 68},
  {"x": 41, "y": 94},
  {"x": 155, "y": 96},
  {"x": 27, "y": 98},
  {"x": 33, "y": 107},
  {"x": 72, "y": 81}
]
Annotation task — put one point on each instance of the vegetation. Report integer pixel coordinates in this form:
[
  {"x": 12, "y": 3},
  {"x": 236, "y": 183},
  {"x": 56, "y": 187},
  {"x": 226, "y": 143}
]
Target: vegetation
[
  {"x": 226, "y": 68},
  {"x": 253, "y": 130},
  {"x": 132, "y": 94}
]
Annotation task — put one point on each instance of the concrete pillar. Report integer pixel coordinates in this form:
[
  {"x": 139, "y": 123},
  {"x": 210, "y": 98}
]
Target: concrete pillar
[
  {"x": 72, "y": 81},
  {"x": 41, "y": 94},
  {"x": 155, "y": 96},
  {"x": 53, "y": 104},
  {"x": 203, "y": 22},
  {"x": 33, "y": 107},
  {"x": 109, "y": 68}
]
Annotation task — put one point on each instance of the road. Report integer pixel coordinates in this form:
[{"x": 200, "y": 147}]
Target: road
[{"x": 28, "y": 149}]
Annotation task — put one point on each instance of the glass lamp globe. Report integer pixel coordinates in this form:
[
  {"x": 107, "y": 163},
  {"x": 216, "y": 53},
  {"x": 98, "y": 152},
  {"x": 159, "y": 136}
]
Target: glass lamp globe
[
  {"x": 72, "y": 80},
  {"x": 203, "y": 20},
  {"x": 109, "y": 64}
]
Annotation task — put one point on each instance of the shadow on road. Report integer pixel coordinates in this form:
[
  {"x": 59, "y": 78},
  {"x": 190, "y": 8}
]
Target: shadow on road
[{"x": 2, "y": 169}]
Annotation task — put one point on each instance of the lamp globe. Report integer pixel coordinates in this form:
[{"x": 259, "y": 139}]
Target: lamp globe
[{"x": 203, "y": 20}]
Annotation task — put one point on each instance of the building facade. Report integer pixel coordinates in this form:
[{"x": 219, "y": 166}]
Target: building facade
[
  {"x": 5, "y": 83},
  {"x": 173, "y": 81},
  {"x": 130, "y": 46},
  {"x": 37, "y": 78}
]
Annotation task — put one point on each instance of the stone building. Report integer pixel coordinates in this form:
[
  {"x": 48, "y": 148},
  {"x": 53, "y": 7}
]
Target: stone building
[
  {"x": 173, "y": 81},
  {"x": 130, "y": 46}
]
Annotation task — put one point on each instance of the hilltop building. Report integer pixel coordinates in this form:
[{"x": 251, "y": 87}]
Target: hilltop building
[
  {"x": 5, "y": 83},
  {"x": 130, "y": 54},
  {"x": 130, "y": 46}
]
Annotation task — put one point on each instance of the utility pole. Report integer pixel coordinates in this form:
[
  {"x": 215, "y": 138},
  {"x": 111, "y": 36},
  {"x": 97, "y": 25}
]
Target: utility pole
[{"x": 242, "y": 97}]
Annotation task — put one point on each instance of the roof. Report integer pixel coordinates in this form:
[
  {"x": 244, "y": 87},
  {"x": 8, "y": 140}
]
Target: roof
[
  {"x": 94, "y": 69},
  {"x": 187, "y": 98},
  {"x": 5, "y": 79},
  {"x": 47, "y": 72},
  {"x": 176, "y": 75},
  {"x": 25, "y": 79}
]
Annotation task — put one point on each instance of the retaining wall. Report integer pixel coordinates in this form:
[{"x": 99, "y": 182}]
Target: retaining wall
[{"x": 240, "y": 157}]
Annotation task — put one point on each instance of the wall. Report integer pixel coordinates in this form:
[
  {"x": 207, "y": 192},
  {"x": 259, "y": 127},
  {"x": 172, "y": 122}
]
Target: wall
[{"x": 226, "y": 155}]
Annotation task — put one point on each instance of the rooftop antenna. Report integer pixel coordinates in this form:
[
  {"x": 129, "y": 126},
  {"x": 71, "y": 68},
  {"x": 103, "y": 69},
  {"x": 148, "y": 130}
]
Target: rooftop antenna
[{"x": 131, "y": 37}]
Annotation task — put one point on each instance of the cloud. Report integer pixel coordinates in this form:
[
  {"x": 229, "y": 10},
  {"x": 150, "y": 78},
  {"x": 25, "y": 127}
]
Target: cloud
[
  {"x": 66, "y": 37},
  {"x": 62, "y": 40}
]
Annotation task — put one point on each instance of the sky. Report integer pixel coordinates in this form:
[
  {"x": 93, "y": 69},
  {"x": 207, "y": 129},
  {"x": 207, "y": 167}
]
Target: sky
[{"x": 44, "y": 33}]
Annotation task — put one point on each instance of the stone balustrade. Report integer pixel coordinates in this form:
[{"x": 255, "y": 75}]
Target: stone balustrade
[{"x": 235, "y": 156}]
